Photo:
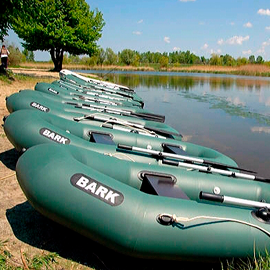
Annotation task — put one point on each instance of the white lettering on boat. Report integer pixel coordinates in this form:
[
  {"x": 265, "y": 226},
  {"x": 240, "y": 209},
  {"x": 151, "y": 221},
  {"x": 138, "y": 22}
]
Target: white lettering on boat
[
  {"x": 40, "y": 107},
  {"x": 54, "y": 136},
  {"x": 53, "y": 91},
  {"x": 96, "y": 189}
]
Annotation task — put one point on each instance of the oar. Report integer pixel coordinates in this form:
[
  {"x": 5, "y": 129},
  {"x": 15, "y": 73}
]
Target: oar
[
  {"x": 118, "y": 112},
  {"x": 125, "y": 123},
  {"x": 146, "y": 116},
  {"x": 232, "y": 200},
  {"x": 131, "y": 130},
  {"x": 81, "y": 88},
  {"x": 182, "y": 157},
  {"x": 102, "y": 95},
  {"x": 214, "y": 170},
  {"x": 97, "y": 100}
]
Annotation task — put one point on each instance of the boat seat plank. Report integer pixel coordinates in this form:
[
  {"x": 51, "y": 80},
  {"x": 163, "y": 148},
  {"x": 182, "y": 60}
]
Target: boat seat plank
[
  {"x": 162, "y": 186},
  {"x": 174, "y": 149},
  {"x": 102, "y": 138}
]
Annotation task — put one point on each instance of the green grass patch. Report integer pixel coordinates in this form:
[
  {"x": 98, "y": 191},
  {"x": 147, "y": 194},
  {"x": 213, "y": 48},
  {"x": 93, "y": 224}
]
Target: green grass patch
[
  {"x": 37, "y": 262},
  {"x": 260, "y": 263}
]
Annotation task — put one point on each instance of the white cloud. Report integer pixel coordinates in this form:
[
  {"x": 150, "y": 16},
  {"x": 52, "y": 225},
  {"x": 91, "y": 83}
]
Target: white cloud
[
  {"x": 215, "y": 51},
  {"x": 205, "y": 46},
  {"x": 140, "y": 21},
  {"x": 137, "y": 33},
  {"x": 248, "y": 52},
  {"x": 220, "y": 41},
  {"x": 264, "y": 12},
  {"x": 235, "y": 40},
  {"x": 248, "y": 25},
  {"x": 187, "y": 0},
  {"x": 263, "y": 46},
  {"x": 176, "y": 49},
  {"x": 266, "y": 43},
  {"x": 167, "y": 39},
  {"x": 267, "y": 28}
]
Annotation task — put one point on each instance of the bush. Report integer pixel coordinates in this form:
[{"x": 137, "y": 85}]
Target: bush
[{"x": 15, "y": 57}]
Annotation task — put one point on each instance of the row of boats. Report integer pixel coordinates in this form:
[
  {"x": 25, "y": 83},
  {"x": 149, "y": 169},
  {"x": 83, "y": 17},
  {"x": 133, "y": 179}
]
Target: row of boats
[{"x": 94, "y": 160}]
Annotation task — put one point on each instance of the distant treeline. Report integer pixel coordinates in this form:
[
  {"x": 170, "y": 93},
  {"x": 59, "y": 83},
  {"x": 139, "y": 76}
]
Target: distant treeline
[
  {"x": 162, "y": 60},
  {"x": 134, "y": 58}
]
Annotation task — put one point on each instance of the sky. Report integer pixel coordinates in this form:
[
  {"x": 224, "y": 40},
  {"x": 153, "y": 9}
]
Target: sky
[{"x": 239, "y": 28}]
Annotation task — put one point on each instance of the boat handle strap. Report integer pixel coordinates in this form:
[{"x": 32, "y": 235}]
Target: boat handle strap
[{"x": 168, "y": 219}]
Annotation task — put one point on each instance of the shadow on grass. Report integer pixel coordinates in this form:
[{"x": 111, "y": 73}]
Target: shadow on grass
[
  {"x": 9, "y": 158},
  {"x": 32, "y": 228}
]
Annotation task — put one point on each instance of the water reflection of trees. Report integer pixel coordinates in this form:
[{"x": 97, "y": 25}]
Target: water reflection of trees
[
  {"x": 148, "y": 81},
  {"x": 187, "y": 83}
]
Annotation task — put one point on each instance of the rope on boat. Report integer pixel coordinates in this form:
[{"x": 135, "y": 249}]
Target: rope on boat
[
  {"x": 129, "y": 126},
  {"x": 168, "y": 219},
  {"x": 118, "y": 121}
]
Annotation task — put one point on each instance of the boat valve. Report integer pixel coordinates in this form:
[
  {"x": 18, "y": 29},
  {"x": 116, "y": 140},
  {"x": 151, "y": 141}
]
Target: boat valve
[
  {"x": 165, "y": 219},
  {"x": 263, "y": 214}
]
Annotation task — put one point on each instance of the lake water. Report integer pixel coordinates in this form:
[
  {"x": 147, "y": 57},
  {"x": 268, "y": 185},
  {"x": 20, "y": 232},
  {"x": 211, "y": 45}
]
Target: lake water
[{"x": 228, "y": 113}]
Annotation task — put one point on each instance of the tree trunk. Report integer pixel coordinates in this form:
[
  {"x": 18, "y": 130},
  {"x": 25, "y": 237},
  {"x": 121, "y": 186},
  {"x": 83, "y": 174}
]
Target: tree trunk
[{"x": 57, "y": 58}]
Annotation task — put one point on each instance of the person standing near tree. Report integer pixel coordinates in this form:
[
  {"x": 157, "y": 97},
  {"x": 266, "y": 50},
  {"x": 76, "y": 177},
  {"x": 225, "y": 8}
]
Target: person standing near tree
[{"x": 4, "y": 56}]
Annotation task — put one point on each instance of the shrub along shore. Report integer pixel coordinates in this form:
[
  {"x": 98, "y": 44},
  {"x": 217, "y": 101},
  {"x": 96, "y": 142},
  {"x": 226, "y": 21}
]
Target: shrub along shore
[{"x": 246, "y": 70}]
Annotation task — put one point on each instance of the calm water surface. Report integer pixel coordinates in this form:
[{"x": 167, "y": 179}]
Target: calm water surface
[{"x": 228, "y": 113}]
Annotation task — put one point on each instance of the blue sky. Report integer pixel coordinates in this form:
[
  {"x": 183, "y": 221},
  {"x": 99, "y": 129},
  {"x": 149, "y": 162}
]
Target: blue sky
[{"x": 236, "y": 27}]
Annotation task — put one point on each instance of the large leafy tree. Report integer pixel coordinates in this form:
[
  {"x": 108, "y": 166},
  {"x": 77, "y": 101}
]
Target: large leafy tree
[
  {"x": 58, "y": 26},
  {"x": 6, "y": 12}
]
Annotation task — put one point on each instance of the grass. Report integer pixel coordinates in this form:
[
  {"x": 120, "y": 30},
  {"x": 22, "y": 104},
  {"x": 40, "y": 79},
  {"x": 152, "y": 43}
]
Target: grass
[
  {"x": 51, "y": 260},
  {"x": 41, "y": 261},
  {"x": 260, "y": 263}
]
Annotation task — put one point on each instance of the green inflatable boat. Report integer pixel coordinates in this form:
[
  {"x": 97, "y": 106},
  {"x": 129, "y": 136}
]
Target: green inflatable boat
[
  {"x": 26, "y": 128},
  {"x": 28, "y": 99},
  {"x": 76, "y": 78},
  {"x": 98, "y": 89},
  {"x": 146, "y": 210},
  {"x": 67, "y": 91},
  {"x": 67, "y": 95},
  {"x": 81, "y": 81},
  {"x": 87, "y": 95}
]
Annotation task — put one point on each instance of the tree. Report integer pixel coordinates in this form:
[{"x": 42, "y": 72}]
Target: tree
[
  {"x": 164, "y": 61},
  {"x": 215, "y": 60},
  {"x": 110, "y": 56},
  {"x": 6, "y": 15},
  {"x": 101, "y": 56},
  {"x": 251, "y": 59},
  {"x": 58, "y": 26},
  {"x": 259, "y": 60},
  {"x": 29, "y": 55},
  {"x": 15, "y": 57},
  {"x": 241, "y": 61},
  {"x": 228, "y": 60},
  {"x": 127, "y": 56}
]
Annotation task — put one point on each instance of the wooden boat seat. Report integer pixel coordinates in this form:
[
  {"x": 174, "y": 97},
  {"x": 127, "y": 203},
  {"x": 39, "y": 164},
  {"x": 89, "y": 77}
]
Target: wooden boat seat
[{"x": 162, "y": 185}]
